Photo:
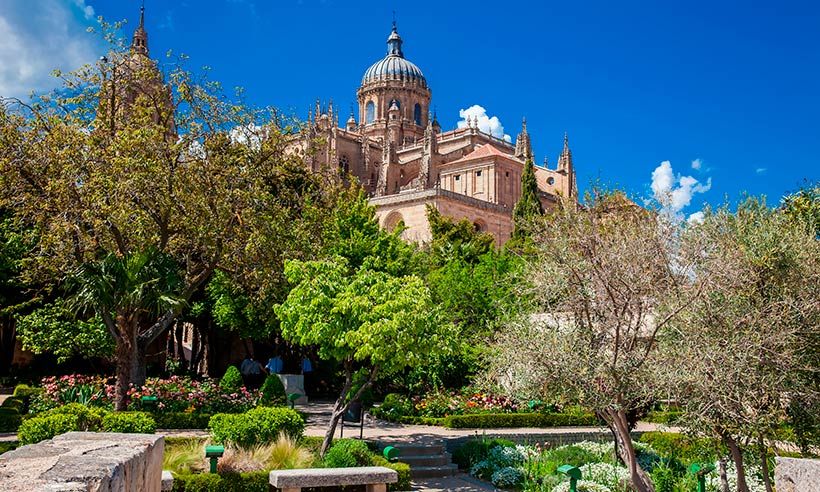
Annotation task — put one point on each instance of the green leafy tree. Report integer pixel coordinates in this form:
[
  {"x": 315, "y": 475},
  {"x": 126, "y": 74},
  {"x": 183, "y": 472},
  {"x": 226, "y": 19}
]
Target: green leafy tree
[
  {"x": 528, "y": 206},
  {"x": 804, "y": 206},
  {"x": 123, "y": 161},
  {"x": 15, "y": 243},
  {"x": 360, "y": 307},
  {"x": 455, "y": 240}
]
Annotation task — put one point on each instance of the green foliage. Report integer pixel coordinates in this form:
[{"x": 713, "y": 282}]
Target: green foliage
[
  {"x": 475, "y": 450},
  {"x": 8, "y": 446},
  {"x": 804, "y": 206},
  {"x": 681, "y": 447},
  {"x": 88, "y": 418},
  {"x": 528, "y": 206},
  {"x": 394, "y": 406},
  {"x": 347, "y": 453},
  {"x": 15, "y": 403},
  {"x": 272, "y": 391},
  {"x": 129, "y": 422},
  {"x": 456, "y": 241},
  {"x": 10, "y": 419},
  {"x": 669, "y": 417},
  {"x": 222, "y": 482},
  {"x": 25, "y": 391},
  {"x": 38, "y": 429},
  {"x": 54, "y": 328},
  {"x": 402, "y": 469},
  {"x": 255, "y": 426},
  {"x": 232, "y": 380},
  {"x": 181, "y": 420},
  {"x": 498, "y": 420}
]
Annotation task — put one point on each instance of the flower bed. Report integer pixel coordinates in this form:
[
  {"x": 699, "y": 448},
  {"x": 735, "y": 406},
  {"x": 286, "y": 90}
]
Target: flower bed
[{"x": 175, "y": 395}]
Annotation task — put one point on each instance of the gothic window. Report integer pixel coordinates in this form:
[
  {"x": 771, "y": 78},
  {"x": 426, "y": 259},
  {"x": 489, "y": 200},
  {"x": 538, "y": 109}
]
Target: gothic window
[
  {"x": 478, "y": 174},
  {"x": 458, "y": 176},
  {"x": 369, "y": 112},
  {"x": 417, "y": 114},
  {"x": 344, "y": 163}
]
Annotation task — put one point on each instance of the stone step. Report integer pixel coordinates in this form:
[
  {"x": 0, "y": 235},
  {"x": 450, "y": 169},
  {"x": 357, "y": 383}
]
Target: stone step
[
  {"x": 415, "y": 449},
  {"x": 433, "y": 471},
  {"x": 425, "y": 460}
]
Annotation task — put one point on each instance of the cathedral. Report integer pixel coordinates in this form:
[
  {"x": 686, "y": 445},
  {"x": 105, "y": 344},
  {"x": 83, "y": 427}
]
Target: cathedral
[{"x": 399, "y": 153}]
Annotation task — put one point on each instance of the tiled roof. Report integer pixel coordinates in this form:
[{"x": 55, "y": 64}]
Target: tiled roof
[{"x": 485, "y": 150}]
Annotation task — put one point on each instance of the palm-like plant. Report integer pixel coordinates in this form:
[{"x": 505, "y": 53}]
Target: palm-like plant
[{"x": 127, "y": 292}]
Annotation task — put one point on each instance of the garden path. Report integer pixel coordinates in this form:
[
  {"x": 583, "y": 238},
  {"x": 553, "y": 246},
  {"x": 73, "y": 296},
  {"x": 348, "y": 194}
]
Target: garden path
[{"x": 457, "y": 483}]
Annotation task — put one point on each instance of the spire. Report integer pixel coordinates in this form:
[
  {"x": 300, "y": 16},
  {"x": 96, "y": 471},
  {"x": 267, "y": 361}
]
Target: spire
[
  {"x": 139, "y": 43},
  {"x": 565, "y": 160},
  {"x": 523, "y": 147},
  {"x": 394, "y": 42}
]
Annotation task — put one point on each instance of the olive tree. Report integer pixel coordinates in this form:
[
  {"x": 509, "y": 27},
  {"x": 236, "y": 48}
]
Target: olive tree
[{"x": 607, "y": 283}]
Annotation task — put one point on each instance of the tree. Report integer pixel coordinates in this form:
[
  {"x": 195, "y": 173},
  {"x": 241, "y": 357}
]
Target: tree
[
  {"x": 748, "y": 347},
  {"x": 15, "y": 242},
  {"x": 607, "y": 286},
  {"x": 119, "y": 164},
  {"x": 528, "y": 207},
  {"x": 363, "y": 310},
  {"x": 804, "y": 205}
]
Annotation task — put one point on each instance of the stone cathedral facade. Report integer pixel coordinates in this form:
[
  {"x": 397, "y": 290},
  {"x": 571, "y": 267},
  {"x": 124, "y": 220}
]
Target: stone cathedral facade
[{"x": 399, "y": 153}]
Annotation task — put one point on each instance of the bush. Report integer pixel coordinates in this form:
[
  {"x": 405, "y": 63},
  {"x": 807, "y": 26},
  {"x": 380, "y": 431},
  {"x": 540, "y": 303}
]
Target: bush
[
  {"x": 260, "y": 425},
  {"x": 88, "y": 418},
  {"x": 25, "y": 391},
  {"x": 232, "y": 380},
  {"x": 16, "y": 403},
  {"x": 669, "y": 417},
  {"x": 272, "y": 391},
  {"x": 394, "y": 406},
  {"x": 181, "y": 420},
  {"x": 497, "y": 420},
  {"x": 8, "y": 446},
  {"x": 402, "y": 469},
  {"x": 675, "y": 446},
  {"x": 38, "y": 429},
  {"x": 346, "y": 453},
  {"x": 222, "y": 482},
  {"x": 129, "y": 422},
  {"x": 10, "y": 419},
  {"x": 475, "y": 450}
]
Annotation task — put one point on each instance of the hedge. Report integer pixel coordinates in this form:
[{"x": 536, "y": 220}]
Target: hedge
[
  {"x": 403, "y": 469},
  {"x": 222, "y": 482},
  {"x": 38, "y": 429},
  {"x": 10, "y": 419},
  {"x": 8, "y": 446},
  {"x": 258, "y": 425},
  {"x": 498, "y": 420},
  {"x": 181, "y": 420},
  {"x": 668, "y": 417},
  {"x": 129, "y": 422},
  {"x": 683, "y": 448}
]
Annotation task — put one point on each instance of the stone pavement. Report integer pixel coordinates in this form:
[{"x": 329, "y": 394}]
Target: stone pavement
[{"x": 457, "y": 483}]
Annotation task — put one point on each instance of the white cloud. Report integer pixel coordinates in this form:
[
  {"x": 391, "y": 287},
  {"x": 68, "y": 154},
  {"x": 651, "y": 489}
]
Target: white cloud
[
  {"x": 761, "y": 170},
  {"x": 35, "y": 41},
  {"x": 87, "y": 10},
  {"x": 696, "y": 164},
  {"x": 487, "y": 124},
  {"x": 695, "y": 218},
  {"x": 675, "y": 192}
]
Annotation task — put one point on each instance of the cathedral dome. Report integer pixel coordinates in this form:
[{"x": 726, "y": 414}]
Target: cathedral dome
[{"x": 394, "y": 66}]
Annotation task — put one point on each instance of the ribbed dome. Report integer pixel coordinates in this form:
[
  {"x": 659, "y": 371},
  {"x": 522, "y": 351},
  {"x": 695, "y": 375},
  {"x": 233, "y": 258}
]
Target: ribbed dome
[{"x": 394, "y": 66}]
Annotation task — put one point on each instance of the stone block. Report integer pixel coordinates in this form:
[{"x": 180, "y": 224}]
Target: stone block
[
  {"x": 796, "y": 474},
  {"x": 87, "y": 461},
  {"x": 330, "y": 477}
]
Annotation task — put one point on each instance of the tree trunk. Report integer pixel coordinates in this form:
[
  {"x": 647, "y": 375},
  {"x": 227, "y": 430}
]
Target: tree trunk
[
  {"x": 764, "y": 464},
  {"x": 724, "y": 480},
  {"x": 342, "y": 404},
  {"x": 126, "y": 351},
  {"x": 737, "y": 458},
  {"x": 180, "y": 352},
  {"x": 619, "y": 425}
]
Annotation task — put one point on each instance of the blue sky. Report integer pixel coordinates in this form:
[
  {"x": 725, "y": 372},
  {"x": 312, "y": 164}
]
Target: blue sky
[{"x": 733, "y": 87}]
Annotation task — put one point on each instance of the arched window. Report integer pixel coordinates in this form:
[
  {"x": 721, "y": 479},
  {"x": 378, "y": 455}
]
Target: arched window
[
  {"x": 369, "y": 113},
  {"x": 393, "y": 220},
  {"x": 417, "y": 114}
]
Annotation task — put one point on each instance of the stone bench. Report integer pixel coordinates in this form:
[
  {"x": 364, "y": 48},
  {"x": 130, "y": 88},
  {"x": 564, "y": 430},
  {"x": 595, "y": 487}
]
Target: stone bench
[{"x": 375, "y": 478}]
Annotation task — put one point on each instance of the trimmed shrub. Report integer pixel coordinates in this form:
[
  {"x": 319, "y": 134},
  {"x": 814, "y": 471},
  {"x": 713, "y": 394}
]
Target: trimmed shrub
[
  {"x": 403, "y": 470},
  {"x": 129, "y": 422},
  {"x": 262, "y": 424},
  {"x": 88, "y": 418},
  {"x": 25, "y": 391},
  {"x": 15, "y": 403},
  {"x": 272, "y": 391},
  {"x": 475, "y": 450},
  {"x": 394, "y": 406},
  {"x": 181, "y": 420},
  {"x": 38, "y": 429},
  {"x": 346, "y": 453},
  {"x": 680, "y": 447},
  {"x": 10, "y": 419},
  {"x": 222, "y": 482},
  {"x": 8, "y": 446},
  {"x": 668, "y": 417},
  {"x": 232, "y": 380},
  {"x": 498, "y": 420}
]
